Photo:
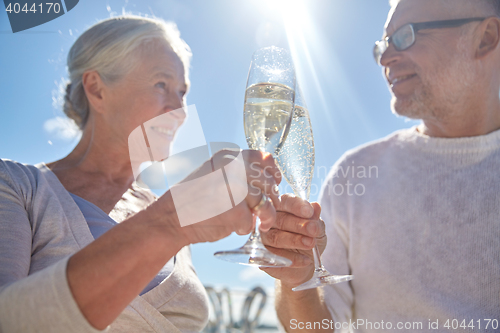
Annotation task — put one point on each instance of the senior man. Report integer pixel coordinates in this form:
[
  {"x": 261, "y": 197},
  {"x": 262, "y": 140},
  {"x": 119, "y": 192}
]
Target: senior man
[{"x": 423, "y": 241}]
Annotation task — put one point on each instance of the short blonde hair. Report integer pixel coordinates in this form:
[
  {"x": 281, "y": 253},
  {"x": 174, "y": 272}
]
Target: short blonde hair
[{"x": 109, "y": 47}]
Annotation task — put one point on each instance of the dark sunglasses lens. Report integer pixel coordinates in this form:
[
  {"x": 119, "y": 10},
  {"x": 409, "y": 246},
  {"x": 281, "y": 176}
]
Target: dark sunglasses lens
[{"x": 403, "y": 38}]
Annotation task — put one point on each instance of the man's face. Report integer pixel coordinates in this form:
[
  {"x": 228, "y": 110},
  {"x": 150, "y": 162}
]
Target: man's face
[{"x": 431, "y": 78}]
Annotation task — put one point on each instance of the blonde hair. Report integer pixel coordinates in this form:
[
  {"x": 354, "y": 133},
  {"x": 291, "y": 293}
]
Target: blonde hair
[{"x": 109, "y": 47}]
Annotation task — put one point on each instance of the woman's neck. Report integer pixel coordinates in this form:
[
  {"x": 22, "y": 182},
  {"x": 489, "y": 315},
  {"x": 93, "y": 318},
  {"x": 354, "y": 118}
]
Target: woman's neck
[{"x": 97, "y": 156}]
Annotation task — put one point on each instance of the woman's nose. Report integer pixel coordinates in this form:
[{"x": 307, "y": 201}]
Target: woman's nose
[
  {"x": 179, "y": 113},
  {"x": 176, "y": 108},
  {"x": 176, "y": 105}
]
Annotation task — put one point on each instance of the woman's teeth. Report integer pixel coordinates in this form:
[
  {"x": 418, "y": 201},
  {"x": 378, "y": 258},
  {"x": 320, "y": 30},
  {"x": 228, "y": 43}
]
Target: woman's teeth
[{"x": 163, "y": 130}]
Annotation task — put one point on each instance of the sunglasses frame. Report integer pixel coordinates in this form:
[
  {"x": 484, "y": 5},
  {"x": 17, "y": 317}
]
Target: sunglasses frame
[{"x": 382, "y": 45}]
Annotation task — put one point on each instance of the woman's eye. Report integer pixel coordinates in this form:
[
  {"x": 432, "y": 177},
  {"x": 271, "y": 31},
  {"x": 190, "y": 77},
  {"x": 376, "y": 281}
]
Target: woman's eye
[{"x": 161, "y": 85}]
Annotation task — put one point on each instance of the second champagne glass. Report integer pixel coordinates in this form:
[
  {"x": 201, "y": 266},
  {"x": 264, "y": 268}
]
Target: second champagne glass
[
  {"x": 269, "y": 101},
  {"x": 296, "y": 162}
]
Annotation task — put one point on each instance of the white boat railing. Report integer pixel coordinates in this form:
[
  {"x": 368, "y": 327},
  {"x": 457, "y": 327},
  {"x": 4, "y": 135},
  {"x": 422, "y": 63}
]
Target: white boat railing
[{"x": 222, "y": 311}]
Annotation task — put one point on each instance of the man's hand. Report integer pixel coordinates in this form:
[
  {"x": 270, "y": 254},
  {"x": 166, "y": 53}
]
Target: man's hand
[{"x": 296, "y": 230}]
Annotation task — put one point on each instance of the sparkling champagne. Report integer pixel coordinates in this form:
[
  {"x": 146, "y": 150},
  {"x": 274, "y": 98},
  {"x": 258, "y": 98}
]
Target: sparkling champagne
[
  {"x": 296, "y": 156},
  {"x": 267, "y": 115}
]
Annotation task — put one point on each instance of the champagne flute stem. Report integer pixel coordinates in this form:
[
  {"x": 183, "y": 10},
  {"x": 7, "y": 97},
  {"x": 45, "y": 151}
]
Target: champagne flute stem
[
  {"x": 255, "y": 235},
  {"x": 257, "y": 225},
  {"x": 318, "y": 265}
]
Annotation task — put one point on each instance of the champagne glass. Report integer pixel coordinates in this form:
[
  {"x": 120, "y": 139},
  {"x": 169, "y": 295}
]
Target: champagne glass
[
  {"x": 296, "y": 162},
  {"x": 269, "y": 99}
]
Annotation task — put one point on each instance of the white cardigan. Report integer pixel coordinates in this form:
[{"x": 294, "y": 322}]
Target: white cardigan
[{"x": 40, "y": 228}]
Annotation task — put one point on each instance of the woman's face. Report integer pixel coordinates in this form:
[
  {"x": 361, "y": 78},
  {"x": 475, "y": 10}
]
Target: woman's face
[{"x": 151, "y": 95}]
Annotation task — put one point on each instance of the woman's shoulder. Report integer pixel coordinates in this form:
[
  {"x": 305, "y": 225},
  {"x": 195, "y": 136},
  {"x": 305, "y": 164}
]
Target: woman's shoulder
[
  {"x": 6, "y": 163},
  {"x": 16, "y": 172}
]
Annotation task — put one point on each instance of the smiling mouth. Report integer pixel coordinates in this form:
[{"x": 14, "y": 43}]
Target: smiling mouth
[
  {"x": 402, "y": 78},
  {"x": 163, "y": 130}
]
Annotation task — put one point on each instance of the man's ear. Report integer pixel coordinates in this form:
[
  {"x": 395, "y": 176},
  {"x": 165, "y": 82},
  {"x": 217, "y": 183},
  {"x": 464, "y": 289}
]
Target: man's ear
[
  {"x": 490, "y": 36},
  {"x": 94, "y": 88}
]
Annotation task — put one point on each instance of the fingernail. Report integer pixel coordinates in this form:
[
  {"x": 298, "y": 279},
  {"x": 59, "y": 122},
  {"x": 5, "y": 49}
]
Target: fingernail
[
  {"x": 311, "y": 228},
  {"x": 307, "y": 241},
  {"x": 307, "y": 211},
  {"x": 306, "y": 260}
]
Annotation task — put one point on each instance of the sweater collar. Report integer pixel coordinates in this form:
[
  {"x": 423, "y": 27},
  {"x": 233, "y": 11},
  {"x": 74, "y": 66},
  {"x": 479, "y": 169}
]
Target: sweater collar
[{"x": 472, "y": 144}]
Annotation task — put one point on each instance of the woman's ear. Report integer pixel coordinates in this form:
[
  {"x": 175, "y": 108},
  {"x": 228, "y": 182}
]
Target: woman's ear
[
  {"x": 490, "y": 37},
  {"x": 94, "y": 88}
]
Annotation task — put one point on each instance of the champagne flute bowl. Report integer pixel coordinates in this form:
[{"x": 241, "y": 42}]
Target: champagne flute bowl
[
  {"x": 269, "y": 102},
  {"x": 296, "y": 162}
]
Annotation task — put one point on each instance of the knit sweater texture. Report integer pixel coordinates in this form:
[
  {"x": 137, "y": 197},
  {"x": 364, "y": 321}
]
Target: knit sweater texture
[{"x": 416, "y": 220}]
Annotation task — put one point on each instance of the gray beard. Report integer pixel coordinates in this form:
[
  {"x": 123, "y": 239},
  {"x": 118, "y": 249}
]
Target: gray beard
[{"x": 443, "y": 93}]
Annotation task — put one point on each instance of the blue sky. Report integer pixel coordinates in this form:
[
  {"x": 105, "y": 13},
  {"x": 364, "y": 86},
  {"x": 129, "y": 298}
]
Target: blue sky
[{"x": 331, "y": 41}]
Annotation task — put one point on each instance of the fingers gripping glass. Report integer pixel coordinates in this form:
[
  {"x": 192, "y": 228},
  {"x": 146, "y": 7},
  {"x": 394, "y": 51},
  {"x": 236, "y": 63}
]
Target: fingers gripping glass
[
  {"x": 405, "y": 37},
  {"x": 269, "y": 101}
]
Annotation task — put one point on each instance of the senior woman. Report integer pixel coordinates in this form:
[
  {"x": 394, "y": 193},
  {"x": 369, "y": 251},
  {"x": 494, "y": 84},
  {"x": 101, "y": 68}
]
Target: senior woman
[{"x": 82, "y": 247}]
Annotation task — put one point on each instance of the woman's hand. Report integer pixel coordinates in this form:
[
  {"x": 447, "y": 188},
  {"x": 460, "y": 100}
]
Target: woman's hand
[
  {"x": 296, "y": 230},
  {"x": 261, "y": 177}
]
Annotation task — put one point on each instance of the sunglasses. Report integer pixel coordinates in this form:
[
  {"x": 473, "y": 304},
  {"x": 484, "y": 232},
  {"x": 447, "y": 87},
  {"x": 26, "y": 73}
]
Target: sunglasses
[{"x": 405, "y": 36}]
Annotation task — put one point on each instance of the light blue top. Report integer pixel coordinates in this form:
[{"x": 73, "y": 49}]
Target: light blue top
[{"x": 99, "y": 222}]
